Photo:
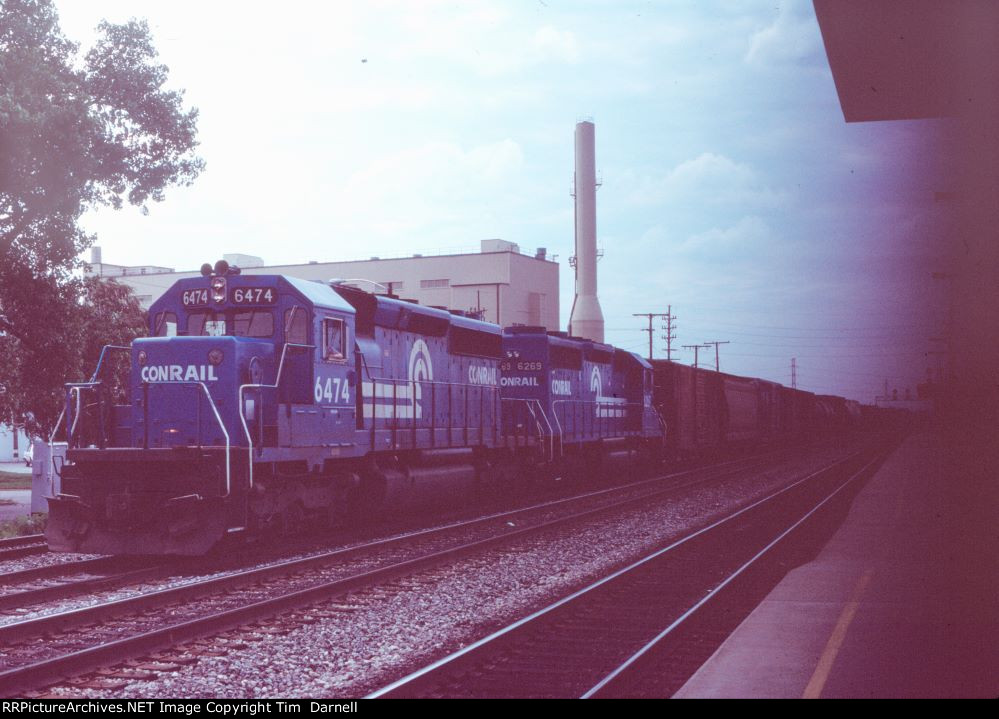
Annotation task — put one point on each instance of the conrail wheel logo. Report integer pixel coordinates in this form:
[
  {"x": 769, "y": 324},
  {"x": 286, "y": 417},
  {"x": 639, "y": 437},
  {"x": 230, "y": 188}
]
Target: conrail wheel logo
[
  {"x": 596, "y": 383},
  {"x": 421, "y": 367}
]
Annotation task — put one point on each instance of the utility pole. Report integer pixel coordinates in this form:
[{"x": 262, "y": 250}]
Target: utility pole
[
  {"x": 695, "y": 348},
  {"x": 708, "y": 344},
  {"x": 794, "y": 373},
  {"x": 650, "y": 315},
  {"x": 670, "y": 334}
]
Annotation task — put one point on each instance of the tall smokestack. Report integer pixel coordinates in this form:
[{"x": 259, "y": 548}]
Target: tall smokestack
[{"x": 586, "y": 319}]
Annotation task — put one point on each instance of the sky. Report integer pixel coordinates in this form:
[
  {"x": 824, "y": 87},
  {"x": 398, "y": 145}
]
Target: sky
[{"x": 732, "y": 189}]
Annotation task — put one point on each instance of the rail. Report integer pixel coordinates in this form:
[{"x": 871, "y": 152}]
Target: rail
[{"x": 259, "y": 411}]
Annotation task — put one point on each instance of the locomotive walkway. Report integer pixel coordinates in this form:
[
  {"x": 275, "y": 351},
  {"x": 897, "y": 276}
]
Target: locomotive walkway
[{"x": 902, "y": 602}]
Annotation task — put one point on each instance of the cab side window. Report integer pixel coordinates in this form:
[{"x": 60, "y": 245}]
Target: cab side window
[
  {"x": 296, "y": 326},
  {"x": 334, "y": 339},
  {"x": 165, "y": 325}
]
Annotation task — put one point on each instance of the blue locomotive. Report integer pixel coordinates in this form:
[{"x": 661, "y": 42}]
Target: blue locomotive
[{"x": 262, "y": 401}]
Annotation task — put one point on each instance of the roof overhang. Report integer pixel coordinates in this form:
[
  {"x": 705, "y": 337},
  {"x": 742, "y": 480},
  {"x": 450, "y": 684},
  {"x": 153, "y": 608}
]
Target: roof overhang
[{"x": 909, "y": 59}]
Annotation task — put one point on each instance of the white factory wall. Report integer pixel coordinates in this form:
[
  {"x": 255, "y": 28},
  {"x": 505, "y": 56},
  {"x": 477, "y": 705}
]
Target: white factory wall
[
  {"x": 7, "y": 443},
  {"x": 509, "y": 287}
]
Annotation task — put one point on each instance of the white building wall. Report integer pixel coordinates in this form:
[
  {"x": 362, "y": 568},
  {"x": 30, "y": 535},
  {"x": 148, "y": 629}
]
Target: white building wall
[
  {"x": 500, "y": 283},
  {"x": 7, "y": 450}
]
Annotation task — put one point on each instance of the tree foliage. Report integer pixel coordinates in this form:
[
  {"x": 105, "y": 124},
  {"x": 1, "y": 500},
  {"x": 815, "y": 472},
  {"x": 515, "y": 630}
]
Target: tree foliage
[
  {"x": 74, "y": 324},
  {"x": 77, "y": 131}
]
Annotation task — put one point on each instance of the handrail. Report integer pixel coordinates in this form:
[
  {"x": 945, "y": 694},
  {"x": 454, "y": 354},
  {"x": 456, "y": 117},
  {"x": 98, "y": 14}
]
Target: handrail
[
  {"x": 56, "y": 427},
  {"x": 52, "y": 438},
  {"x": 532, "y": 416},
  {"x": 606, "y": 402},
  {"x": 411, "y": 385},
  {"x": 239, "y": 402},
  {"x": 75, "y": 388},
  {"x": 218, "y": 418},
  {"x": 662, "y": 422},
  {"x": 551, "y": 431},
  {"x": 100, "y": 360},
  {"x": 495, "y": 389}
]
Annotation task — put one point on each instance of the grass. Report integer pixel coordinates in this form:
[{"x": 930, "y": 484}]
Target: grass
[
  {"x": 10, "y": 480},
  {"x": 19, "y": 526}
]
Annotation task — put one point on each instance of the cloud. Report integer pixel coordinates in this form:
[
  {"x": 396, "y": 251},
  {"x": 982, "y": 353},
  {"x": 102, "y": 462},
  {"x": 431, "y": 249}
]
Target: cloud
[
  {"x": 491, "y": 40},
  {"x": 429, "y": 187},
  {"x": 750, "y": 235},
  {"x": 792, "y": 39},
  {"x": 708, "y": 179},
  {"x": 552, "y": 44}
]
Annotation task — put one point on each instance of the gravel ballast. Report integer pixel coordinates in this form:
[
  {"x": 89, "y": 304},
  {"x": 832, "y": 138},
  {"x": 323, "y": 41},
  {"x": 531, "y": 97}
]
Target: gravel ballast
[{"x": 376, "y": 636}]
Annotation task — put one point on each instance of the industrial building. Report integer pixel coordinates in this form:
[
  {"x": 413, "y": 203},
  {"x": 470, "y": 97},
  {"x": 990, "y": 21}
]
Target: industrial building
[{"x": 500, "y": 283}]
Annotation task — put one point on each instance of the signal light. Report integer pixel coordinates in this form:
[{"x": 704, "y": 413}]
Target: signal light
[
  {"x": 206, "y": 269},
  {"x": 218, "y": 289},
  {"x": 221, "y": 267},
  {"x": 215, "y": 356}
]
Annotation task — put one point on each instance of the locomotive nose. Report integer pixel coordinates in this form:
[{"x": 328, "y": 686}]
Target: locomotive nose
[{"x": 184, "y": 391}]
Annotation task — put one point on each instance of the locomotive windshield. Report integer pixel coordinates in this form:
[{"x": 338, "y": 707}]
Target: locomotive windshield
[{"x": 238, "y": 323}]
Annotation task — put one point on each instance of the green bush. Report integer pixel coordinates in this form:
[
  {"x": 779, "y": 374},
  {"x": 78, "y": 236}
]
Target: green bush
[{"x": 19, "y": 526}]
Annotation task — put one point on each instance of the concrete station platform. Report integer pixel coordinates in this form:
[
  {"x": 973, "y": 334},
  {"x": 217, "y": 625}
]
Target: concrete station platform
[{"x": 902, "y": 602}]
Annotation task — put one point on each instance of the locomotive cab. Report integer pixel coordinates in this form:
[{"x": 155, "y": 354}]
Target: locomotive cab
[{"x": 237, "y": 370}]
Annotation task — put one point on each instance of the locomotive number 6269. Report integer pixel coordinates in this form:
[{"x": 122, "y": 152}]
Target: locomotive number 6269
[{"x": 521, "y": 366}]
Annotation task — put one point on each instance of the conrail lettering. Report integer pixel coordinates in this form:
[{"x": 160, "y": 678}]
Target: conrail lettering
[
  {"x": 519, "y": 382},
  {"x": 561, "y": 387},
  {"x": 178, "y": 373},
  {"x": 481, "y": 375}
]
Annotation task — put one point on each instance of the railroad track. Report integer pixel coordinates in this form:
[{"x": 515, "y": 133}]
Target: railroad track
[
  {"x": 16, "y": 547},
  {"x": 83, "y": 640},
  {"x": 51, "y": 583},
  {"x": 46, "y": 584},
  {"x": 621, "y": 636}
]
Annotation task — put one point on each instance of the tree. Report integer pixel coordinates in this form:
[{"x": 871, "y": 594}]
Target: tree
[
  {"x": 102, "y": 312},
  {"x": 76, "y": 132}
]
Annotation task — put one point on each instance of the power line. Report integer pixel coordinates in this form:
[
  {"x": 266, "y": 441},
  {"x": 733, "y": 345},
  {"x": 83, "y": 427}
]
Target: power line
[
  {"x": 650, "y": 315},
  {"x": 715, "y": 343},
  {"x": 670, "y": 334},
  {"x": 696, "y": 348}
]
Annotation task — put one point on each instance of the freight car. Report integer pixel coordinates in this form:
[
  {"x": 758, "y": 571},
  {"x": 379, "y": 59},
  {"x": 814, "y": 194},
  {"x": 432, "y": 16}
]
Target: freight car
[
  {"x": 259, "y": 402},
  {"x": 711, "y": 413}
]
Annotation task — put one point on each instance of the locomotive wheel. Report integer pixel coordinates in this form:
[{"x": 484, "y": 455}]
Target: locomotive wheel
[
  {"x": 368, "y": 495},
  {"x": 293, "y": 519}
]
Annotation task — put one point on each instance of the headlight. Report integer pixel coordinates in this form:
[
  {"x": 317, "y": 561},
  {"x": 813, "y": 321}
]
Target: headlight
[
  {"x": 142, "y": 358},
  {"x": 215, "y": 356},
  {"x": 218, "y": 289}
]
